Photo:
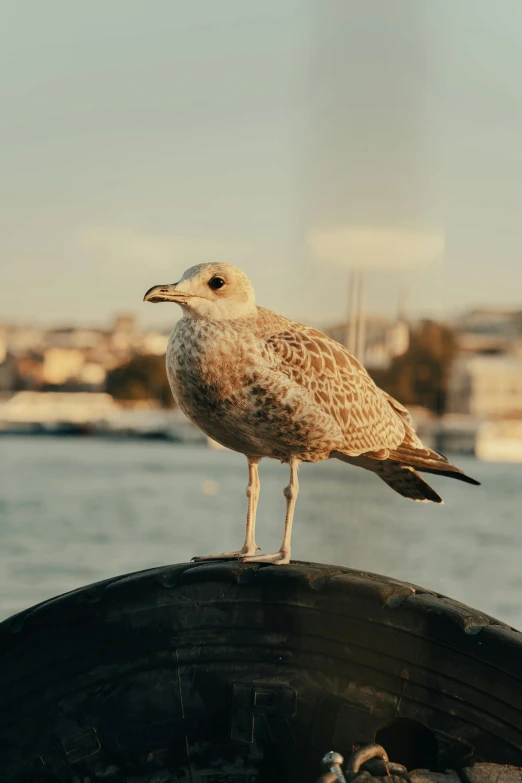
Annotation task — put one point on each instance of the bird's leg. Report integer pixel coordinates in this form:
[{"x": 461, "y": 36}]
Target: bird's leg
[
  {"x": 290, "y": 492},
  {"x": 252, "y": 492},
  {"x": 250, "y": 546}
]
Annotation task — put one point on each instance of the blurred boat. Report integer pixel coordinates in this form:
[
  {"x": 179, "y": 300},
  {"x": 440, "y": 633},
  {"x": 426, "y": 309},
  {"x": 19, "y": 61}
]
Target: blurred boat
[
  {"x": 56, "y": 413},
  {"x": 81, "y": 413}
]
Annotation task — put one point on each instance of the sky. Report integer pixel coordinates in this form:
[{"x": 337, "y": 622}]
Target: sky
[{"x": 295, "y": 138}]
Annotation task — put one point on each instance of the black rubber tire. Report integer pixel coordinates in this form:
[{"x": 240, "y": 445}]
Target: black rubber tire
[{"x": 240, "y": 672}]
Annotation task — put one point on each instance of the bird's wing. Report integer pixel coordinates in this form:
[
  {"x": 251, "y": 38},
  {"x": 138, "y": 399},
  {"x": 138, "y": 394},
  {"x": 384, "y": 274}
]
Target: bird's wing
[{"x": 340, "y": 386}]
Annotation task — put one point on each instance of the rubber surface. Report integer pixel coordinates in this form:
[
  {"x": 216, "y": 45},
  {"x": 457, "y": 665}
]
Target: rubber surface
[{"x": 246, "y": 673}]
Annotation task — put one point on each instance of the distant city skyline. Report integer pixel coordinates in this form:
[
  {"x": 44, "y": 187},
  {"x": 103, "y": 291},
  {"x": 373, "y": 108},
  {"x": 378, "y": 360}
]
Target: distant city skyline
[{"x": 294, "y": 138}]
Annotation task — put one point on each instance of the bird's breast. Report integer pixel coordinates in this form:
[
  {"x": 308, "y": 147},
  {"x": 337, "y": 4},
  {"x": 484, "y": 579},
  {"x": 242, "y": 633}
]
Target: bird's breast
[{"x": 207, "y": 369}]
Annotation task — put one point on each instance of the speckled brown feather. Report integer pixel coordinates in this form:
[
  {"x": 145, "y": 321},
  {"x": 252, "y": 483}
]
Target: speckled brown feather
[{"x": 339, "y": 385}]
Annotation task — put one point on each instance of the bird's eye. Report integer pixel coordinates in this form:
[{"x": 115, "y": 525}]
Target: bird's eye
[{"x": 216, "y": 283}]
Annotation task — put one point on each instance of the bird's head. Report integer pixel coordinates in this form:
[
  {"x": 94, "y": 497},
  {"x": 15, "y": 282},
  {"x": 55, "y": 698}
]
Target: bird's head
[{"x": 215, "y": 292}]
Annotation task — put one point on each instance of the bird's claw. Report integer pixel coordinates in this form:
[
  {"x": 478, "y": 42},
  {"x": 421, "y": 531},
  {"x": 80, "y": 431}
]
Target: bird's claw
[
  {"x": 238, "y": 555},
  {"x": 278, "y": 558}
]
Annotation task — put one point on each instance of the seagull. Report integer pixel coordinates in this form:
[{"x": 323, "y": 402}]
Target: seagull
[{"x": 264, "y": 386}]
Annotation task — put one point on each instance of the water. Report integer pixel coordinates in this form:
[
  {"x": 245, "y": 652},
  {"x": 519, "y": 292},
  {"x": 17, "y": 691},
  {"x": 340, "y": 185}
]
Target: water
[{"x": 74, "y": 511}]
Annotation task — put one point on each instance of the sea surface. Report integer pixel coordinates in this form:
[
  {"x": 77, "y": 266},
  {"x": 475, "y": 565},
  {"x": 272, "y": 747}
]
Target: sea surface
[{"x": 77, "y": 510}]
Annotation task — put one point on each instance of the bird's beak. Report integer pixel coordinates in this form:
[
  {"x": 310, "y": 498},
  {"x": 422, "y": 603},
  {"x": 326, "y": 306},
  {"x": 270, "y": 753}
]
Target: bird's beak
[{"x": 164, "y": 293}]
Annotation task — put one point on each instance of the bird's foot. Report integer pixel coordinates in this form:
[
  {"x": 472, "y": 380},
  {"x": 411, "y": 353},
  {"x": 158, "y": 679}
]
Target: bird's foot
[
  {"x": 237, "y": 555},
  {"x": 278, "y": 558}
]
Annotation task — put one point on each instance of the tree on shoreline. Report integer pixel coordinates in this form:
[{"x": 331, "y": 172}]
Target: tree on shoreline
[
  {"x": 420, "y": 376},
  {"x": 142, "y": 378}
]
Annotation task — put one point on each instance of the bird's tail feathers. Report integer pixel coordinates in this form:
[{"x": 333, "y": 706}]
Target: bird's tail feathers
[
  {"x": 429, "y": 461},
  {"x": 401, "y": 478},
  {"x": 414, "y": 453},
  {"x": 407, "y": 482}
]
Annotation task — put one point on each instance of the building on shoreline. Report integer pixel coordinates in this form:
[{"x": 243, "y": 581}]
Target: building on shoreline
[
  {"x": 488, "y": 386},
  {"x": 69, "y": 358}
]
